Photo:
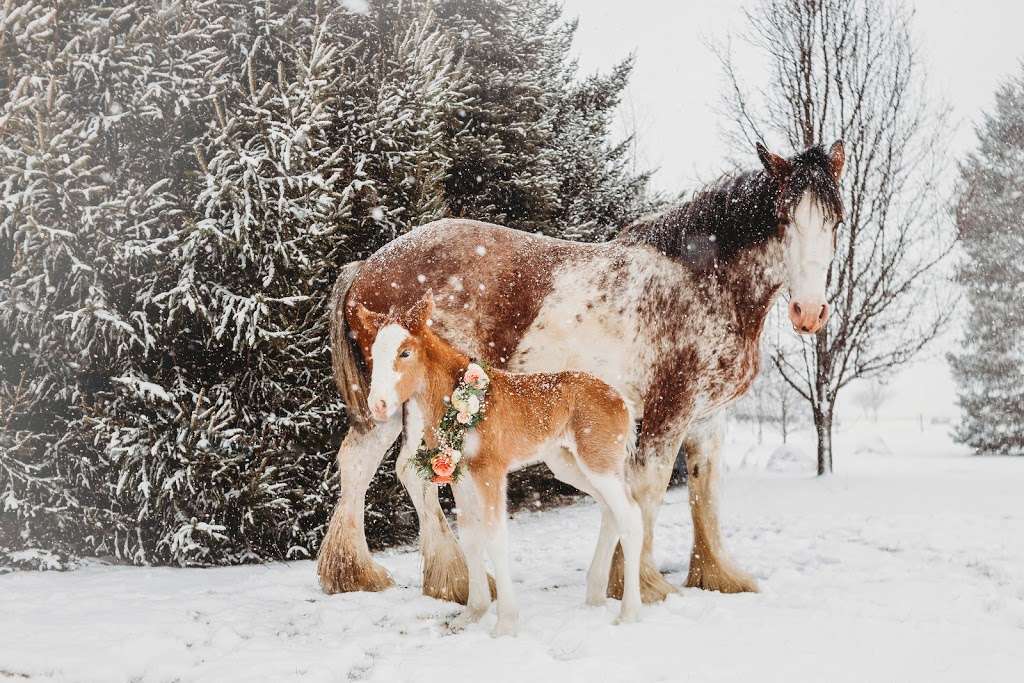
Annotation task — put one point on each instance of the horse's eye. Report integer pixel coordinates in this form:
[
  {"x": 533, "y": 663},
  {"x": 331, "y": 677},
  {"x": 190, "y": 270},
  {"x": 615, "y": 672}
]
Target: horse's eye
[{"x": 405, "y": 354}]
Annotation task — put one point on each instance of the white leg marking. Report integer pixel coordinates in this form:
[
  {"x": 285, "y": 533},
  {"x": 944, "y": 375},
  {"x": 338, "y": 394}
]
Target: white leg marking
[
  {"x": 630, "y": 527},
  {"x": 471, "y": 535},
  {"x": 497, "y": 550},
  {"x": 600, "y": 566}
]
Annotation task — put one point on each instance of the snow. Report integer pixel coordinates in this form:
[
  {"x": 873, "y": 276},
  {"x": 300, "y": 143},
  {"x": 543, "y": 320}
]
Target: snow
[{"x": 905, "y": 565}]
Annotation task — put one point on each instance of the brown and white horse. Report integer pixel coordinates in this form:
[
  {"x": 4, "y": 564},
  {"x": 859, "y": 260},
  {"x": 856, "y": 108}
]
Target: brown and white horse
[
  {"x": 529, "y": 418},
  {"x": 670, "y": 313}
]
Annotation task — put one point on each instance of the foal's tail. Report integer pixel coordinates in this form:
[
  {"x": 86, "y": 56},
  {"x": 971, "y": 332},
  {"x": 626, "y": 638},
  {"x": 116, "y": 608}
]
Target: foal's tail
[
  {"x": 346, "y": 359},
  {"x": 631, "y": 432}
]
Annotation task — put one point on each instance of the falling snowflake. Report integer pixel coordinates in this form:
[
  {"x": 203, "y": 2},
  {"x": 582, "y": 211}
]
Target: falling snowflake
[
  {"x": 481, "y": 250},
  {"x": 377, "y": 213}
]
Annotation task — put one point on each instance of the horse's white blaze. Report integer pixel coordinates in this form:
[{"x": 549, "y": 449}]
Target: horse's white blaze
[
  {"x": 808, "y": 249},
  {"x": 384, "y": 378}
]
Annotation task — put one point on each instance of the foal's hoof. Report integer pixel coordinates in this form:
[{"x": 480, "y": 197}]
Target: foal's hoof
[
  {"x": 465, "y": 618},
  {"x": 599, "y": 600},
  {"x": 504, "y": 628},
  {"x": 627, "y": 618}
]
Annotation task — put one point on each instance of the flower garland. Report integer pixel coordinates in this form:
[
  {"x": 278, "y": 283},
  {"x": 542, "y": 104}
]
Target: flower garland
[{"x": 443, "y": 465}]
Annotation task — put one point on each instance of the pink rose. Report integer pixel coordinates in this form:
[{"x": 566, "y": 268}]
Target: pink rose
[
  {"x": 442, "y": 466},
  {"x": 475, "y": 376}
]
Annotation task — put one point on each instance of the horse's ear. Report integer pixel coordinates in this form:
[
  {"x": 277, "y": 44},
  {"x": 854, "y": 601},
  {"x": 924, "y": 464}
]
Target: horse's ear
[
  {"x": 371, "y": 321},
  {"x": 836, "y": 158},
  {"x": 420, "y": 313},
  {"x": 778, "y": 167}
]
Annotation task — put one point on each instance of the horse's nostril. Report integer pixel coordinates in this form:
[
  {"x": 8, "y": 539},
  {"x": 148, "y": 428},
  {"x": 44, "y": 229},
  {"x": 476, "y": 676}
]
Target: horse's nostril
[
  {"x": 823, "y": 312},
  {"x": 796, "y": 308}
]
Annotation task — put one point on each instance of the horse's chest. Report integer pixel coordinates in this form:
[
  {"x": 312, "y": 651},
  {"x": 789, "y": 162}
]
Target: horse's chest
[{"x": 724, "y": 370}]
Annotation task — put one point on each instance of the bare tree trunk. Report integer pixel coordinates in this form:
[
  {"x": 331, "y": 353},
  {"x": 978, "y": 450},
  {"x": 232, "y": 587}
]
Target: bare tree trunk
[
  {"x": 823, "y": 426},
  {"x": 784, "y": 421},
  {"x": 823, "y": 406}
]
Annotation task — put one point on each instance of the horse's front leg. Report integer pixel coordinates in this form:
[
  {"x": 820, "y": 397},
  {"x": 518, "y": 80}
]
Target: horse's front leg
[
  {"x": 344, "y": 562},
  {"x": 445, "y": 575},
  {"x": 710, "y": 566}
]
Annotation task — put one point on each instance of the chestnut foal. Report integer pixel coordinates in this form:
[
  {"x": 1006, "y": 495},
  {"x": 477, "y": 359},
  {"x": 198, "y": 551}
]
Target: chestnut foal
[{"x": 528, "y": 418}]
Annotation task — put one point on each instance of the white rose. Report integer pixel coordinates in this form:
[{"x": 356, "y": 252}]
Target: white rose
[
  {"x": 473, "y": 405},
  {"x": 459, "y": 401}
]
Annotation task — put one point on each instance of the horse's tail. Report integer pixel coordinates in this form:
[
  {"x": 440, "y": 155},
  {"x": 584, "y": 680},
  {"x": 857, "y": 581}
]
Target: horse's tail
[{"x": 350, "y": 375}]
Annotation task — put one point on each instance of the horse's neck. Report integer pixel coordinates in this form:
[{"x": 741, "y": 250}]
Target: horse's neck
[
  {"x": 738, "y": 293},
  {"x": 443, "y": 367}
]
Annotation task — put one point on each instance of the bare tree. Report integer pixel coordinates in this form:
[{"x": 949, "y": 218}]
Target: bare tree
[
  {"x": 849, "y": 69},
  {"x": 871, "y": 396},
  {"x": 769, "y": 401},
  {"x": 784, "y": 400}
]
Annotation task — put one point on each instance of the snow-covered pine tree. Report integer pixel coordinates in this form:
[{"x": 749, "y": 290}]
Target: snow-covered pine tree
[
  {"x": 533, "y": 149},
  {"x": 989, "y": 368},
  {"x": 309, "y": 162},
  {"x": 96, "y": 104},
  {"x": 598, "y": 190}
]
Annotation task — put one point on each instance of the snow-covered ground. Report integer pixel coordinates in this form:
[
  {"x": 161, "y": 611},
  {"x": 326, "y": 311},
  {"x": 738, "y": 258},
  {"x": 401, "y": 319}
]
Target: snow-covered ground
[{"x": 908, "y": 565}]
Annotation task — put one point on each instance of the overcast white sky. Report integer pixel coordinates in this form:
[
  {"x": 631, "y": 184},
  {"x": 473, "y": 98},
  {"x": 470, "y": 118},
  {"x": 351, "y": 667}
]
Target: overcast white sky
[{"x": 968, "y": 48}]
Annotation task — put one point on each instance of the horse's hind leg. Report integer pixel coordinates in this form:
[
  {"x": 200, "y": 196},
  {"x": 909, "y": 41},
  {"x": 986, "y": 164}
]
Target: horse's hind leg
[
  {"x": 710, "y": 566},
  {"x": 344, "y": 562},
  {"x": 445, "y": 575}
]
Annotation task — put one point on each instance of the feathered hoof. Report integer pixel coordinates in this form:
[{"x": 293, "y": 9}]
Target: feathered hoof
[
  {"x": 345, "y": 573},
  {"x": 716, "y": 576},
  {"x": 445, "y": 577},
  {"x": 653, "y": 586}
]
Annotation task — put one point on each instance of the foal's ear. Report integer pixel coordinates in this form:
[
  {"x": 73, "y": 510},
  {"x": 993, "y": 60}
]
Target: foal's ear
[
  {"x": 778, "y": 167},
  {"x": 836, "y": 158},
  {"x": 371, "y": 321},
  {"x": 421, "y": 311}
]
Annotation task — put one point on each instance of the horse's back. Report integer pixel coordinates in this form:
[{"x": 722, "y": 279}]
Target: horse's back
[{"x": 488, "y": 281}]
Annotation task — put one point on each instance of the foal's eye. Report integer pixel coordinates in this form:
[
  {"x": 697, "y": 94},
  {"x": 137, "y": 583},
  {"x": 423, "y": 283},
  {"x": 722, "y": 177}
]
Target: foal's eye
[{"x": 405, "y": 354}]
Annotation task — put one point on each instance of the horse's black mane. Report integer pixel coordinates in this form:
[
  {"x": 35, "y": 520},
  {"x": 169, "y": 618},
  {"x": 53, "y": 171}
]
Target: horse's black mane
[{"x": 737, "y": 212}]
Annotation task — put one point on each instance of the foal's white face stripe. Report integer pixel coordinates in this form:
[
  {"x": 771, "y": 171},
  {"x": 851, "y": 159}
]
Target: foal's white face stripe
[
  {"x": 809, "y": 248},
  {"x": 384, "y": 378}
]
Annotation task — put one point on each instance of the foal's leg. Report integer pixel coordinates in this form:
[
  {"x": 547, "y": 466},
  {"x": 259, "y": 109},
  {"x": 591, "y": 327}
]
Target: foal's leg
[
  {"x": 629, "y": 523},
  {"x": 491, "y": 486},
  {"x": 344, "y": 562},
  {"x": 445, "y": 574},
  {"x": 565, "y": 468},
  {"x": 601, "y": 565},
  {"x": 648, "y": 477},
  {"x": 710, "y": 566},
  {"x": 471, "y": 536}
]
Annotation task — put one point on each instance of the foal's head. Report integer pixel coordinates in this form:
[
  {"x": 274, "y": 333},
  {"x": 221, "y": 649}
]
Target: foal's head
[
  {"x": 809, "y": 210},
  {"x": 398, "y": 355}
]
